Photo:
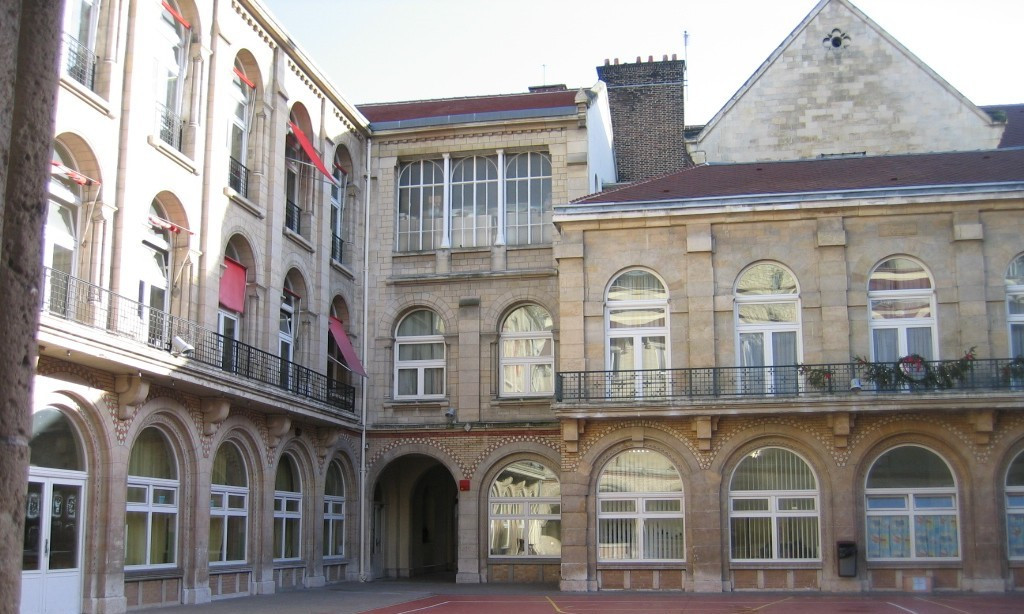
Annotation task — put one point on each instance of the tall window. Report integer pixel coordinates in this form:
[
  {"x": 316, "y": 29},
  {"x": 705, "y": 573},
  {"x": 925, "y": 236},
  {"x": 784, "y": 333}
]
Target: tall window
[
  {"x": 286, "y": 331},
  {"x": 1015, "y": 305},
  {"x": 910, "y": 498},
  {"x": 640, "y": 509},
  {"x": 173, "y": 34},
  {"x": 527, "y": 354},
  {"x": 528, "y": 199},
  {"x": 154, "y": 281},
  {"x": 902, "y": 304},
  {"x": 525, "y": 511},
  {"x": 420, "y": 356},
  {"x": 229, "y": 506},
  {"x": 636, "y": 330},
  {"x": 334, "y": 512},
  {"x": 1015, "y": 508},
  {"x": 768, "y": 329},
  {"x": 151, "y": 515},
  {"x": 474, "y": 201},
  {"x": 242, "y": 102},
  {"x": 231, "y": 306},
  {"x": 420, "y": 205},
  {"x": 773, "y": 508},
  {"x": 287, "y": 510},
  {"x": 79, "y": 52},
  {"x": 60, "y": 242},
  {"x": 339, "y": 194}
]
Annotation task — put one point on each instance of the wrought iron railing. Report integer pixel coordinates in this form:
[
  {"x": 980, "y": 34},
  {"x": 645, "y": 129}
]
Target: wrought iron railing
[
  {"x": 238, "y": 177},
  {"x": 79, "y": 62},
  {"x": 170, "y": 126},
  {"x": 76, "y": 300},
  {"x": 788, "y": 381},
  {"x": 337, "y": 248},
  {"x": 293, "y": 217}
]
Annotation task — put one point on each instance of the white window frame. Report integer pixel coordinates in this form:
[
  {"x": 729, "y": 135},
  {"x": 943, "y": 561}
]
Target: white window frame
[
  {"x": 152, "y": 488},
  {"x": 334, "y": 513},
  {"x": 421, "y": 366},
  {"x": 770, "y": 380},
  {"x": 1014, "y": 499},
  {"x": 75, "y": 25},
  {"x": 474, "y": 220},
  {"x": 339, "y": 196},
  {"x": 432, "y": 195},
  {"x": 508, "y": 507},
  {"x": 174, "y": 40},
  {"x": 1015, "y": 294},
  {"x": 774, "y": 512},
  {"x": 536, "y": 233},
  {"x": 156, "y": 245},
  {"x": 911, "y": 511},
  {"x": 902, "y": 325},
  {"x": 242, "y": 98},
  {"x": 525, "y": 363},
  {"x": 288, "y": 510},
  {"x": 225, "y": 511},
  {"x": 639, "y": 382}
]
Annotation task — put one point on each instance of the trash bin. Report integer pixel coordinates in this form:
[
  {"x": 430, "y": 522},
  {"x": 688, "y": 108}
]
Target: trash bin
[{"x": 846, "y": 559}]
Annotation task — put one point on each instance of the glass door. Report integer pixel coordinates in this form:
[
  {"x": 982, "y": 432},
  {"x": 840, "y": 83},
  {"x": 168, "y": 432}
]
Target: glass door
[{"x": 51, "y": 555}]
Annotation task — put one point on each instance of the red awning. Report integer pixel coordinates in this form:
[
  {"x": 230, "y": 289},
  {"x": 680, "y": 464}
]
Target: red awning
[
  {"x": 232, "y": 286},
  {"x": 347, "y": 351},
  {"x": 310, "y": 152}
]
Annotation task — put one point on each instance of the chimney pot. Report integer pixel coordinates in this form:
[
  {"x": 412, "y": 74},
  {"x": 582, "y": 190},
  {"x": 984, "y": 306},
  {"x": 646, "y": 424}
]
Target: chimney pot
[
  {"x": 607, "y": 62},
  {"x": 616, "y": 61},
  {"x": 673, "y": 57},
  {"x": 650, "y": 58},
  {"x": 664, "y": 58},
  {"x": 637, "y": 59}
]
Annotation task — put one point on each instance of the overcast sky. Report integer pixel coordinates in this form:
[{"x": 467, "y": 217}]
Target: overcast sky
[{"x": 387, "y": 50}]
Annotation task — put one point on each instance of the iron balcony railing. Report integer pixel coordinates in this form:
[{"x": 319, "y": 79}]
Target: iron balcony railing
[
  {"x": 699, "y": 384},
  {"x": 79, "y": 62},
  {"x": 337, "y": 248},
  {"x": 78, "y": 301},
  {"x": 170, "y": 126},
  {"x": 238, "y": 177},
  {"x": 293, "y": 217}
]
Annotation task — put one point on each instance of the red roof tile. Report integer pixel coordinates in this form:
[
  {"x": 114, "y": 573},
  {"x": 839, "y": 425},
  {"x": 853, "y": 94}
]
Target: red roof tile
[
  {"x": 823, "y": 175},
  {"x": 396, "y": 111}
]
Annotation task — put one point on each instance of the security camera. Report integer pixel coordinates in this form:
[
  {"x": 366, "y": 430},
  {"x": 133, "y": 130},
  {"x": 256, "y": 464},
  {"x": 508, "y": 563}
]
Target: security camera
[
  {"x": 450, "y": 413},
  {"x": 180, "y": 347}
]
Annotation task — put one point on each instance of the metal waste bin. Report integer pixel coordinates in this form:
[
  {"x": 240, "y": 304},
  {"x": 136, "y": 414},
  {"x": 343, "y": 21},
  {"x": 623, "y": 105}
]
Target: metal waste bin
[{"x": 846, "y": 559}]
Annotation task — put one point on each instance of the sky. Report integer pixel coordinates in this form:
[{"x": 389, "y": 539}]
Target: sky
[{"x": 389, "y": 50}]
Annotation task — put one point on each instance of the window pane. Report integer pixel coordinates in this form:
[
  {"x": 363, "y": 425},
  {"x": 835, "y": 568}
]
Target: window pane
[
  {"x": 936, "y": 536},
  {"x": 421, "y": 351},
  {"x": 933, "y": 502},
  {"x": 751, "y": 538},
  {"x": 54, "y": 442},
  {"x": 663, "y": 538},
  {"x": 506, "y": 509},
  {"x": 909, "y": 467},
  {"x": 773, "y": 469},
  {"x": 507, "y": 537},
  {"x": 886, "y": 341},
  {"x": 636, "y": 285},
  {"x": 793, "y": 504},
  {"x": 228, "y": 467},
  {"x": 750, "y": 505},
  {"x": 420, "y": 323},
  {"x": 137, "y": 494},
  {"x": 1015, "y": 303},
  {"x": 613, "y": 506},
  {"x": 529, "y": 318},
  {"x": 236, "y": 538},
  {"x": 334, "y": 485},
  {"x": 1015, "y": 475},
  {"x": 520, "y": 348},
  {"x": 236, "y": 502},
  {"x": 151, "y": 456},
  {"x": 887, "y": 503},
  {"x": 639, "y": 470},
  {"x": 542, "y": 378},
  {"x": 636, "y": 318},
  {"x": 216, "y": 500},
  {"x": 899, "y": 274},
  {"x": 919, "y": 341},
  {"x": 1015, "y": 534},
  {"x": 888, "y": 537},
  {"x": 407, "y": 382},
  {"x": 541, "y": 509},
  {"x": 890, "y": 309},
  {"x": 766, "y": 279},
  {"x": 525, "y": 479},
  {"x": 433, "y": 381},
  {"x": 798, "y": 538},
  {"x": 135, "y": 538},
  {"x": 617, "y": 539},
  {"x": 291, "y": 547},
  {"x": 545, "y": 537},
  {"x": 216, "y": 553},
  {"x": 513, "y": 379},
  {"x": 767, "y": 313},
  {"x": 1015, "y": 272},
  {"x": 162, "y": 540},
  {"x": 164, "y": 496},
  {"x": 663, "y": 505}
]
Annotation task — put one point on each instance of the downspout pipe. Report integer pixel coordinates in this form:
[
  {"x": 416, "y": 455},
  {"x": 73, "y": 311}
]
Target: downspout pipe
[{"x": 363, "y": 554}]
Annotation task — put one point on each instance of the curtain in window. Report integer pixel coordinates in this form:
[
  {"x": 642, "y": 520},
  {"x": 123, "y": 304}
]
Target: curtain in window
[
  {"x": 919, "y": 341},
  {"x": 636, "y": 286},
  {"x": 888, "y": 537},
  {"x": 1017, "y": 340},
  {"x": 784, "y": 371},
  {"x": 935, "y": 536},
  {"x": 151, "y": 457},
  {"x": 887, "y": 346},
  {"x": 1015, "y": 534}
]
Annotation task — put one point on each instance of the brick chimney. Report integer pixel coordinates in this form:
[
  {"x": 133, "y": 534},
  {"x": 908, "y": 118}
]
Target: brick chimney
[{"x": 646, "y": 102}]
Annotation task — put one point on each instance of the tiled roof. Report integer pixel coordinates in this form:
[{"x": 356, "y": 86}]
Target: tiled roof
[
  {"x": 823, "y": 175},
  {"x": 1013, "y": 136},
  {"x": 541, "y": 103}
]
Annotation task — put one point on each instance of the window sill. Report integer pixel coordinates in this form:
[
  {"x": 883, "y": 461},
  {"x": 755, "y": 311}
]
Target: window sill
[
  {"x": 411, "y": 404},
  {"x": 216, "y": 568},
  {"x": 521, "y": 402},
  {"x": 153, "y": 574},
  {"x": 336, "y": 560},
  {"x": 244, "y": 202},
  {"x": 641, "y": 564},
  {"x": 87, "y": 96},
  {"x": 289, "y": 563},
  {"x": 775, "y": 565},
  {"x": 176, "y": 156},
  {"x": 341, "y": 268},
  {"x": 298, "y": 239},
  {"x": 914, "y": 564}
]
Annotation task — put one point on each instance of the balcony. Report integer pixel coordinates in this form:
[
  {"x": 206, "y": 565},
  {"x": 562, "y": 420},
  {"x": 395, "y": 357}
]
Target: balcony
[
  {"x": 238, "y": 177},
  {"x": 79, "y": 62},
  {"x": 78, "y": 301},
  {"x": 337, "y": 249},
  {"x": 170, "y": 126},
  {"x": 293, "y": 217},
  {"x": 787, "y": 384}
]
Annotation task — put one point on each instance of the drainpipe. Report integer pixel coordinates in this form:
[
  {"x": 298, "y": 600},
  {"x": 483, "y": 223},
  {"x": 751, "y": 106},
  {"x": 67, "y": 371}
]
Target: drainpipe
[{"x": 363, "y": 555}]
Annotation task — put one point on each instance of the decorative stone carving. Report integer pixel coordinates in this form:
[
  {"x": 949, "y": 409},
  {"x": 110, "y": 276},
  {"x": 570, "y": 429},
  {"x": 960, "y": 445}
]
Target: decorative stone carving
[{"x": 132, "y": 391}]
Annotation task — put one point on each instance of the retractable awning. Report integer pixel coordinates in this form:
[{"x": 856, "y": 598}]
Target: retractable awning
[
  {"x": 347, "y": 351},
  {"x": 307, "y": 147},
  {"x": 232, "y": 286}
]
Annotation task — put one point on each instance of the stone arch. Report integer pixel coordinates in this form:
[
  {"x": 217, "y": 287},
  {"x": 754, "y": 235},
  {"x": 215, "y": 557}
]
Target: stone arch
[{"x": 498, "y": 309}]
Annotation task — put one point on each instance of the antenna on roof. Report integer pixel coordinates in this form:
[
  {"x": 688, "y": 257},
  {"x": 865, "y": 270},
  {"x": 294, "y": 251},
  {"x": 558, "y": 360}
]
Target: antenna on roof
[{"x": 544, "y": 74}]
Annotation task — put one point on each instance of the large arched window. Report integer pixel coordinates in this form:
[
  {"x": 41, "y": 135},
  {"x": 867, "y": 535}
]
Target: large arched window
[
  {"x": 154, "y": 278},
  {"x": 60, "y": 238},
  {"x": 528, "y": 199},
  {"x": 339, "y": 195},
  {"x": 287, "y": 510},
  {"x": 287, "y": 328},
  {"x": 773, "y": 508},
  {"x": 334, "y": 511},
  {"x": 767, "y": 308},
  {"x": 420, "y": 206},
  {"x": 1015, "y": 508},
  {"x": 640, "y": 509},
  {"x": 420, "y": 356},
  {"x": 636, "y": 329},
  {"x": 151, "y": 517},
  {"x": 1015, "y": 306},
  {"x": 173, "y": 34},
  {"x": 229, "y": 506},
  {"x": 525, "y": 511},
  {"x": 243, "y": 98},
  {"x": 527, "y": 354},
  {"x": 902, "y": 307},
  {"x": 474, "y": 206},
  {"x": 910, "y": 499}
]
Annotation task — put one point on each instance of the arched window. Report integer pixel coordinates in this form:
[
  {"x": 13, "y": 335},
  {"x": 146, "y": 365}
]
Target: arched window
[
  {"x": 286, "y": 330},
  {"x": 902, "y": 307},
  {"x": 474, "y": 205},
  {"x": 155, "y": 280},
  {"x": 636, "y": 330},
  {"x": 151, "y": 517},
  {"x": 525, "y": 511},
  {"x": 527, "y": 354},
  {"x": 420, "y": 206},
  {"x": 334, "y": 511},
  {"x": 528, "y": 199},
  {"x": 640, "y": 509},
  {"x": 420, "y": 364},
  {"x": 234, "y": 277},
  {"x": 287, "y": 510},
  {"x": 1015, "y": 305},
  {"x": 1015, "y": 508},
  {"x": 910, "y": 498},
  {"x": 243, "y": 97},
  {"x": 229, "y": 506},
  {"x": 768, "y": 329},
  {"x": 339, "y": 195},
  {"x": 54, "y": 442},
  {"x": 773, "y": 508},
  {"x": 173, "y": 34},
  {"x": 60, "y": 242}
]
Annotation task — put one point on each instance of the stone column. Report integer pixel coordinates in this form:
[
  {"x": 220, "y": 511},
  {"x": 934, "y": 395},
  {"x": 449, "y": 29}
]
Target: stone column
[
  {"x": 700, "y": 279},
  {"x": 468, "y": 393},
  {"x": 29, "y": 51}
]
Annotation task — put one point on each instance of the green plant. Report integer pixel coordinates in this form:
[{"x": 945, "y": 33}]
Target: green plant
[
  {"x": 948, "y": 374},
  {"x": 819, "y": 377},
  {"x": 914, "y": 371},
  {"x": 1015, "y": 369}
]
